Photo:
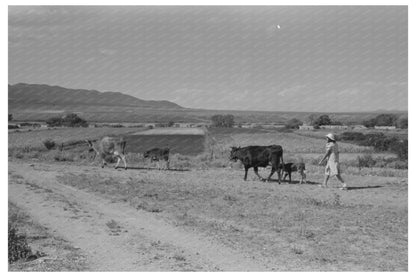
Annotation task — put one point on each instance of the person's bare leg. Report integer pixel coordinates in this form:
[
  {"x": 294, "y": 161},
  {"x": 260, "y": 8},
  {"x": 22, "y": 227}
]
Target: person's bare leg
[
  {"x": 325, "y": 183},
  {"x": 340, "y": 178},
  {"x": 344, "y": 185}
]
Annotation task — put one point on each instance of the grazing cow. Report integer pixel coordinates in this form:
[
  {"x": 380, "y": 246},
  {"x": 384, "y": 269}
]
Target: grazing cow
[
  {"x": 258, "y": 156},
  {"x": 158, "y": 154},
  {"x": 288, "y": 168},
  {"x": 108, "y": 148}
]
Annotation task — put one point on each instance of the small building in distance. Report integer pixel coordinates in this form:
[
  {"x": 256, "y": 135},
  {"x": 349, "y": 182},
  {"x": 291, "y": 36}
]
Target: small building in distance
[
  {"x": 385, "y": 127},
  {"x": 337, "y": 127},
  {"x": 358, "y": 127},
  {"x": 305, "y": 127}
]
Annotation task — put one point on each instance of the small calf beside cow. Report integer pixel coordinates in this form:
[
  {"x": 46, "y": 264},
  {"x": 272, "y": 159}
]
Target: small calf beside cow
[
  {"x": 158, "y": 155},
  {"x": 288, "y": 168}
]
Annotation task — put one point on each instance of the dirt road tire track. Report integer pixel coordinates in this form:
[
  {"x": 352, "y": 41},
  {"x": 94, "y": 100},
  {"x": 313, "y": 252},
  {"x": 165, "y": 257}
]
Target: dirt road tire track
[{"x": 141, "y": 242}]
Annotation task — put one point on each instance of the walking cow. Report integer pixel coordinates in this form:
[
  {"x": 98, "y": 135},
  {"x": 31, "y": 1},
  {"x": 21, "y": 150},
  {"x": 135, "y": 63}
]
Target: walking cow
[
  {"x": 108, "y": 148},
  {"x": 259, "y": 156}
]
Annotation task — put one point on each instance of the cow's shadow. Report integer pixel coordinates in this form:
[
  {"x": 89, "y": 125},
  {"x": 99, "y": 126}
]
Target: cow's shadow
[
  {"x": 367, "y": 187},
  {"x": 294, "y": 182}
]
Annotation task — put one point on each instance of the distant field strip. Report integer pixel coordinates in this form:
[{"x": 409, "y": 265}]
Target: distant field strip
[
  {"x": 182, "y": 144},
  {"x": 35, "y": 138},
  {"x": 290, "y": 142},
  {"x": 173, "y": 131}
]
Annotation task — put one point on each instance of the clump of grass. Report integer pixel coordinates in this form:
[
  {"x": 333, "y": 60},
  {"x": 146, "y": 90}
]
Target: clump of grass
[
  {"x": 179, "y": 257},
  {"x": 18, "y": 247},
  {"x": 366, "y": 161},
  {"x": 297, "y": 250},
  {"x": 64, "y": 157},
  {"x": 49, "y": 144}
]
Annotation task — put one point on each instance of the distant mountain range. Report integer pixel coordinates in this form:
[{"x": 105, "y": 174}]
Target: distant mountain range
[{"x": 27, "y": 96}]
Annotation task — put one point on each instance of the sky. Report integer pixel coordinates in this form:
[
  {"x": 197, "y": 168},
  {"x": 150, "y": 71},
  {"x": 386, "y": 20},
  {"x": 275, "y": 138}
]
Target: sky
[{"x": 274, "y": 58}]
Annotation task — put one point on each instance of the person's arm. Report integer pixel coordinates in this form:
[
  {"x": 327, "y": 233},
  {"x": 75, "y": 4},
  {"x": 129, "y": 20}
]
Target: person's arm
[{"x": 328, "y": 152}]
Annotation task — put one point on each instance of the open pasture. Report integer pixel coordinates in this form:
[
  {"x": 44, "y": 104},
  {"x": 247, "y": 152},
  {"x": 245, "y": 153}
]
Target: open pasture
[
  {"x": 291, "y": 142},
  {"x": 35, "y": 138},
  {"x": 290, "y": 227},
  {"x": 183, "y": 144}
]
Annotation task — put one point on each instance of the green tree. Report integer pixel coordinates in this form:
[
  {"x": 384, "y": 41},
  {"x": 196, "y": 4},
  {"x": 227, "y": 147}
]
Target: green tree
[
  {"x": 293, "y": 123},
  {"x": 323, "y": 119},
  {"x": 386, "y": 120},
  {"x": 69, "y": 120},
  {"x": 223, "y": 121},
  {"x": 10, "y": 117},
  {"x": 402, "y": 123}
]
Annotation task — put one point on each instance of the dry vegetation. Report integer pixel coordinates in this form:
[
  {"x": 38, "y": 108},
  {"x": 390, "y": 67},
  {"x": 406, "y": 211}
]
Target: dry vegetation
[
  {"x": 296, "y": 227},
  {"x": 48, "y": 252}
]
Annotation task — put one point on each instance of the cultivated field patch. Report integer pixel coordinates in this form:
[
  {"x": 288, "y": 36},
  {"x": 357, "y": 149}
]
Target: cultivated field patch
[
  {"x": 35, "y": 138},
  {"x": 182, "y": 144},
  {"x": 172, "y": 131}
]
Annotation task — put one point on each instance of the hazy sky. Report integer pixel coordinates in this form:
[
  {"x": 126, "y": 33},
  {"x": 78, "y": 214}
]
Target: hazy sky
[{"x": 328, "y": 59}]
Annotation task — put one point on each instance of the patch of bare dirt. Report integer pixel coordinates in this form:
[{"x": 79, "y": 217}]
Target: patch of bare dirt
[{"x": 113, "y": 235}]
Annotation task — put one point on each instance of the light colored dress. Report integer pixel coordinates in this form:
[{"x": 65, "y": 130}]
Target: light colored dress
[{"x": 332, "y": 165}]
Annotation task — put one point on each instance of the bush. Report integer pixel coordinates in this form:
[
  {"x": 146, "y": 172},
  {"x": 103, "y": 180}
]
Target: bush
[
  {"x": 401, "y": 149},
  {"x": 224, "y": 121},
  {"x": 69, "y": 120},
  {"x": 49, "y": 144},
  {"x": 366, "y": 161},
  {"x": 293, "y": 123},
  {"x": 323, "y": 120},
  {"x": 381, "y": 120},
  {"x": 18, "y": 247},
  {"x": 402, "y": 123},
  {"x": 352, "y": 136}
]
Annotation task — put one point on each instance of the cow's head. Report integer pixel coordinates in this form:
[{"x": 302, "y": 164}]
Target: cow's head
[
  {"x": 234, "y": 153},
  {"x": 146, "y": 154}
]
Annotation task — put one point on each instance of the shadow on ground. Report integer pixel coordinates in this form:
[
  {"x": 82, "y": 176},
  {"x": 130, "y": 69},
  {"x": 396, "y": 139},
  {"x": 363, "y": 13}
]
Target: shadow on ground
[{"x": 367, "y": 187}]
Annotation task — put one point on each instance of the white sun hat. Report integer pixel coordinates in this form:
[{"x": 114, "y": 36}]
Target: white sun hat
[{"x": 331, "y": 137}]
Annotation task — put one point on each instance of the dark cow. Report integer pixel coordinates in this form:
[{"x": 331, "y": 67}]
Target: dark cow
[
  {"x": 288, "y": 168},
  {"x": 158, "y": 154},
  {"x": 258, "y": 156},
  {"x": 108, "y": 148}
]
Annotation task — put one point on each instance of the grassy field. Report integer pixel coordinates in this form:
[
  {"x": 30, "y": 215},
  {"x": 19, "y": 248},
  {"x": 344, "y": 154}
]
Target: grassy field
[
  {"x": 296, "y": 227},
  {"x": 35, "y": 138},
  {"x": 183, "y": 144}
]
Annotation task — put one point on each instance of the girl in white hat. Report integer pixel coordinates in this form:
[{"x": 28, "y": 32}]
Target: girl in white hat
[{"x": 332, "y": 166}]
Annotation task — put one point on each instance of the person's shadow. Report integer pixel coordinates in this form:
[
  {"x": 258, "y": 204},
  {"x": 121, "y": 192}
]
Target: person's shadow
[{"x": 367, "y": 187}]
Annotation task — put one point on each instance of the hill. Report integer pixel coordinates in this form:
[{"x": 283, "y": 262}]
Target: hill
[{"x": 33, "y": 96}]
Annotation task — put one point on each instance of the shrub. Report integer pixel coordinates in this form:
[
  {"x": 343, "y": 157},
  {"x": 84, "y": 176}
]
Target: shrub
[
  {"x": 64, "y": 157},
  {"x": 224, "y": 121},
  {"x": 397, "y": 164},
  {"x": 69, "y": 120},
  {"x": 352, "y": 136},
  {"x": 366, "y": 161},
  {"x": 49, "y": 144},
  {"x": 401, "y": 149},
  {"x": 323, "y": 120},
  {"x": 18, "y": 247},
  {"x": 402, "y": 123},
  {"x": 293, "y": 123}
]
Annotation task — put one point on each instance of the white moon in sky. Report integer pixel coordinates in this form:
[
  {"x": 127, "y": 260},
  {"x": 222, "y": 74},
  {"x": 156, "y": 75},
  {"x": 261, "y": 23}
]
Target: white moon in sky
[{"x": 278, "y": 26}]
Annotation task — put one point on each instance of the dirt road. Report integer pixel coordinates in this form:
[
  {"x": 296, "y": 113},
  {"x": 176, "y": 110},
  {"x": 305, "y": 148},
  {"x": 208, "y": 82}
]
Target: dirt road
[{"x": 115, "y": 236}]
